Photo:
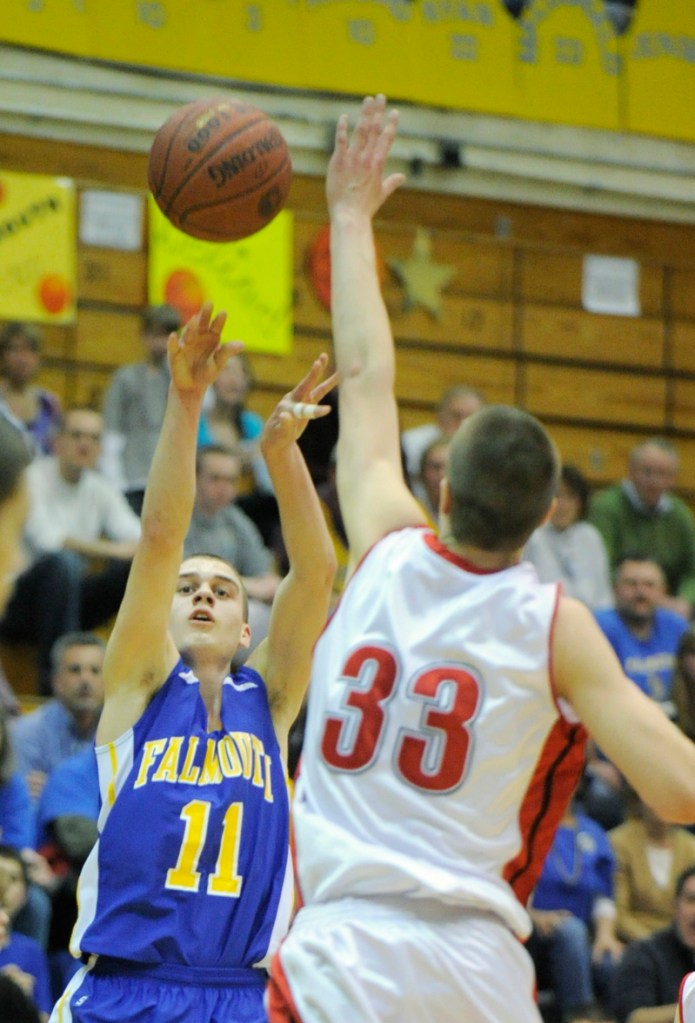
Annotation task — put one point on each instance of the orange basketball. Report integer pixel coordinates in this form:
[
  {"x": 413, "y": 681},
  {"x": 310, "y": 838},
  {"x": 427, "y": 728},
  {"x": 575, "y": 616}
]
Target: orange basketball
[{"x": 219, "y": 169}]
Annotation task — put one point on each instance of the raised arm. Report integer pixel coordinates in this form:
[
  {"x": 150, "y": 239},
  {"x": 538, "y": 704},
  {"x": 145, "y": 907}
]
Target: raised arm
[
  {"x": 140, "y": 652},
  {"x": 634, "y": 733},
  {"x": 374, "y": 498},
  {"x": 301, "y": 604}
]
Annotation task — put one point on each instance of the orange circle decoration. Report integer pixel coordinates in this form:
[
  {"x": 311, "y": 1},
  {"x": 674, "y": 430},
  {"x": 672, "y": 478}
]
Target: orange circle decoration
[
  {"x": 54, "y": 293},
  {"x": 319, "y": 266},
  {"x": 184, "y": 291}
]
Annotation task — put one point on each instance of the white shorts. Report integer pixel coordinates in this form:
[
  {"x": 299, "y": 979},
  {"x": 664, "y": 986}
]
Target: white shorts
[{"x": 381, "y": 962}]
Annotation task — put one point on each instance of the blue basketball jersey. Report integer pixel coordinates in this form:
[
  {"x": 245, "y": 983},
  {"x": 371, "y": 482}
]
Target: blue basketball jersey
[{"x": 192, "y": 863}]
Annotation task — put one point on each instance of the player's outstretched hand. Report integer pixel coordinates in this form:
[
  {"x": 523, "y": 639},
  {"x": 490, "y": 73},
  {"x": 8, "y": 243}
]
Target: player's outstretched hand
[
  {"x": 355, "y": 178},
  {"x": 290, "y": 416},
  {"x": 197, "y": 354}
]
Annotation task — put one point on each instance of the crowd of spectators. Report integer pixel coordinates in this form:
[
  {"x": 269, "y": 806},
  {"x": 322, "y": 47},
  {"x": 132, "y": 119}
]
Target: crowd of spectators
[{"x": 613, "y": 916}]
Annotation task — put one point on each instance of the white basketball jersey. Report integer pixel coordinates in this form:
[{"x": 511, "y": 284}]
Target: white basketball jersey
[
  {"x": 686, "y": 999},
  {"x": 437, "y": 762}
]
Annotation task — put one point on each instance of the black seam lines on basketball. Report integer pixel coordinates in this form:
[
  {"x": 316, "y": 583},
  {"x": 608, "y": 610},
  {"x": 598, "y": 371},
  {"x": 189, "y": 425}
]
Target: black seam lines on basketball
[
  {"x": 184, "y": 123},
  {"x": 194, "y": 170},
  {"x": 223, "y": 202}
]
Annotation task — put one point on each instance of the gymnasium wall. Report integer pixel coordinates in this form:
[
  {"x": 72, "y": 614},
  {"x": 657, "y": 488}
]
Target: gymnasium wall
[{"x": 511, "y": 320}]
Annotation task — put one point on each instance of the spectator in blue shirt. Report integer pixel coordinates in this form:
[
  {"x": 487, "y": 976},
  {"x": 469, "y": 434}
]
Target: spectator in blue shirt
[
  {"x": 67, "y": 723},
  {"x": 644, "y": 635},
  {"x": 21, "y": 958}
]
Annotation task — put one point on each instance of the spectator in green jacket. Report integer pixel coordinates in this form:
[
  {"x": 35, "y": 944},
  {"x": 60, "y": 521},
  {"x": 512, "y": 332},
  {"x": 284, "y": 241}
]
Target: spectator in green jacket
[{"x": 641, "y": 515}]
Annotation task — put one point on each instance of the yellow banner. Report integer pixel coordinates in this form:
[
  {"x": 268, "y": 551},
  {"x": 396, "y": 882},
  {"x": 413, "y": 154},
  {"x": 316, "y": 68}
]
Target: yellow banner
[
  {"x": 562, "y": 61},
  {"x": 250, "y": 279},
  {"x": 37, "y": 248}
]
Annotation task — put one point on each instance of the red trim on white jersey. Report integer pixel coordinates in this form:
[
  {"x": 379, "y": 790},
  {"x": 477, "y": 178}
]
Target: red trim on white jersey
[
  {"x": 547, "y": 797},
  {"x": 280, "y": 1004}
]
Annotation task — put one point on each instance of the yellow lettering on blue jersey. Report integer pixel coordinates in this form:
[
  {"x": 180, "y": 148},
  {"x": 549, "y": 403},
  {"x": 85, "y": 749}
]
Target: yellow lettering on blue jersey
[
  {"x": 268, "y": 794},
  {"x": 258, "y": 752},
  {"x": 229, "y": 758},
  {"x": 190, "y": 772},
  {"x": 150, "y": 750},
  {"x": 243, "y": 744},
  {"x": 210, "y": 774},
  {"x": 168, "y": 769}
]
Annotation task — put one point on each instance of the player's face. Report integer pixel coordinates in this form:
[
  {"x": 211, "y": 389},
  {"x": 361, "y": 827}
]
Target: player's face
[
  {"x": 78, "y": 682},
  {"x": 685, "y": 914},
  {"x": 208, "y": 611},
  {"x": 13, "y": 512}
]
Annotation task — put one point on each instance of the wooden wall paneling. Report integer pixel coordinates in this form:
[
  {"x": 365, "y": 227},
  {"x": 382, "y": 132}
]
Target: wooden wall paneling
[
  {"x": 111, "y": 275},
  {"x": 685, "y": 484},
  {"x": 683, "y": 345},
  {"x": 423, "y": 375},
  {"x": 555, "y": 277},
  {"x": 601, "y": 453},
  {"x": 684, "y": 404},
  {"x": 556, "y": 392},
  {"x": 88, "y": 386},
  {"x": 682, "y": 292},
  {"x": 108, "y": 338},
  {"x": 575, "y": 335}
]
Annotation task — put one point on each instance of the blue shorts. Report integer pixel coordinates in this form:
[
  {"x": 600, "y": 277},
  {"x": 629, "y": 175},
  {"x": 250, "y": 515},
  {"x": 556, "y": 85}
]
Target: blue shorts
[{"x": 114, "y": 991}]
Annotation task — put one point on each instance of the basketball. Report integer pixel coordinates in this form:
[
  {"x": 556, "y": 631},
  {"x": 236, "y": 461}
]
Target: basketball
[{"x": 219, "y": 169}]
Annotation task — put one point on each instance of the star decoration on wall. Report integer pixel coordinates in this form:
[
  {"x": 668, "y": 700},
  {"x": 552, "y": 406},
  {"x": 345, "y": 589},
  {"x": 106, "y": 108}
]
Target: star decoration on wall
[{"x": 421, "y": 277}]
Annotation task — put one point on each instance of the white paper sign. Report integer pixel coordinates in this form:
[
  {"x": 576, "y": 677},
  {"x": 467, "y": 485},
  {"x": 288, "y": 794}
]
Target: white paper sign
[
  {"x": 112, "y": 220},
  {"x": 611, "y": 285}
]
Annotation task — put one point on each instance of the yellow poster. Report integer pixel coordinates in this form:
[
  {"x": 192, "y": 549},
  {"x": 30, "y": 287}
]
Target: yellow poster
[
  {"x": 250, "y": 279},
  {"x": 37, "y": 248}
]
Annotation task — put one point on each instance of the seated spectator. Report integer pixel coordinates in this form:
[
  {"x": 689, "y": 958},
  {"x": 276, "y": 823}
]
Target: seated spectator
[
  {"x": 645, "y": 638},
  {"x": 18, "y": 829},
  {"x": 65, "y": 724},
  {"x": 642, "y": 515},
  {"x": 455, "y": 405},
  {"x": 134, "y": 407},
  {"x": 683, "y": 692},
  {"x": 644, "y": 635},
  {"x": 21, "y": 959},
  {"x": 573, "y": 943},
  {"x": 648, "y": 977},
  {"x": 650, "y": 855},
  {"x": 75, "y": 517},
  {"x": 34, "y": 409},
  {"x": 568, "y": 549},
  {"x": 228, "y": 422},
  {"x": 219, "y": 527},
  {"x": 430, "y": 475}
]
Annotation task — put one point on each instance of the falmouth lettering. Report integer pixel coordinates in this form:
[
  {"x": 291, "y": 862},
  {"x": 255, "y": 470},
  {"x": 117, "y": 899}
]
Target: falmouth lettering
[{"x": 178, "y": 759}]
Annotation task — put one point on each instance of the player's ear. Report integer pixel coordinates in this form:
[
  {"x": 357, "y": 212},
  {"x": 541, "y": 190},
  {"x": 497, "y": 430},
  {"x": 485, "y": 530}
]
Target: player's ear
[{"x": 245, "y": 637}]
